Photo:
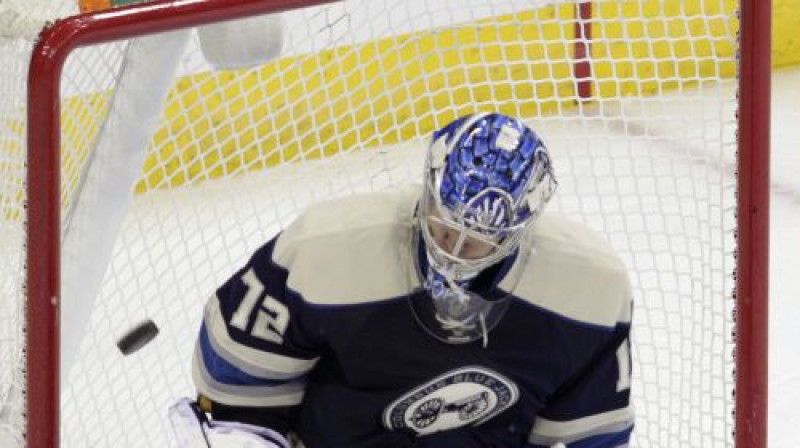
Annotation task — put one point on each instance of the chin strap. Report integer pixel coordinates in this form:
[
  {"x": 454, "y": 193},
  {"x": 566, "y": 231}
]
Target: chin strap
[
  {"x": 453, "y": 305},
  {"x": 450, "y": 324},
  {"x": 485, "y": 332}
]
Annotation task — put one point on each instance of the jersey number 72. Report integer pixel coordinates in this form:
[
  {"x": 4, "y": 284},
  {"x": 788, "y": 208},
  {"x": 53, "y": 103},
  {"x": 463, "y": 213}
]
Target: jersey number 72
[{"x": 272, "y": 316}]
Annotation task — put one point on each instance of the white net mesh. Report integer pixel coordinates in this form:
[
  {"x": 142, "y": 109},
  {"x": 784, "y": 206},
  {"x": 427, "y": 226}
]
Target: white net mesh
[{"x": 359, "y": 86}]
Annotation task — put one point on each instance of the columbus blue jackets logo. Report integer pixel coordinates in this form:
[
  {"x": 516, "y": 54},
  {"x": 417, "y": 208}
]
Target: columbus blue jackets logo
[{"x": 465, "y": 396}]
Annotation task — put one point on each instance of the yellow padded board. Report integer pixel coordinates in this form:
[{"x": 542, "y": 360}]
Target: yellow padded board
[{"x": 395, "y": 89}]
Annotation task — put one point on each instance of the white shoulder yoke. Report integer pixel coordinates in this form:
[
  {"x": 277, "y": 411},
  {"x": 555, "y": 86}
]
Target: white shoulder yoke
[
  {"x": 352, "y": 250},
  {"x": 572, "y": 271}
]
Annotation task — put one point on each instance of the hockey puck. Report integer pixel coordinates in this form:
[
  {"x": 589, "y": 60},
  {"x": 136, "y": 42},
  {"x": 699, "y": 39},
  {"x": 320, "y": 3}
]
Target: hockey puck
[{"x": 137, "y": 337}]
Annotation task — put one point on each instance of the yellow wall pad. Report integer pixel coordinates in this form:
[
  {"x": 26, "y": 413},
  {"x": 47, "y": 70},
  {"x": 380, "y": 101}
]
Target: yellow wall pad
[
  {"x": 377, "y": 93},
  {"x": 785, "y": 40},
  {"x": 81, "y": 117},
  {"x": 392, "y": 90},
  {"x": 12, "y": 175}
]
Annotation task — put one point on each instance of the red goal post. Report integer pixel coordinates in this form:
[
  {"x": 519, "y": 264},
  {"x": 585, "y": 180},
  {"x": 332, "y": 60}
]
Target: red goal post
[{"x": 44, "y": 210}]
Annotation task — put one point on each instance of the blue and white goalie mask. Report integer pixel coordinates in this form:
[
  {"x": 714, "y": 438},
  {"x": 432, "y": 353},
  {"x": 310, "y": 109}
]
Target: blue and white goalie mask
[{"x": 487, "y": 177}]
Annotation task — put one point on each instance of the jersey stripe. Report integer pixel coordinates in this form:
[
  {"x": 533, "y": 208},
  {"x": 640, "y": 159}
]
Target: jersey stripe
[
  {"x": 614, "y": 440},
  {"x": 214, "y": 386},
  {"x": 548, "y": 432},
  {"x": 222, "y": 368}
]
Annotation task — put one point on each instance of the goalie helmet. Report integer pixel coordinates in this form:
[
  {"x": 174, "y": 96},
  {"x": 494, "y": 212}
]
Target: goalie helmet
[{"x": 487, "y": 177}]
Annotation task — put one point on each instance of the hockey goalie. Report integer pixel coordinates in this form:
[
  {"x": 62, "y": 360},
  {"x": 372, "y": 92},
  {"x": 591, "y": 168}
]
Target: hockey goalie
[{"x": 456, "y": 313}]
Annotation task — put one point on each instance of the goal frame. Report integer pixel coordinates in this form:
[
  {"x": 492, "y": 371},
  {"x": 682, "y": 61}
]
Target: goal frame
[{"x": 43, "y": 238}]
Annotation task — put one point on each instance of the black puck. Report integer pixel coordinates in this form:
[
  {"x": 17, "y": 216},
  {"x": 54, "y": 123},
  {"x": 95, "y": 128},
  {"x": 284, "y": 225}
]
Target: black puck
[{"x": 137, "y": 337}]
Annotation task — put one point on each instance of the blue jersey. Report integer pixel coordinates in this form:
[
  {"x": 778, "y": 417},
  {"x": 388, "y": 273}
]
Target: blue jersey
[{"x": 319, "y": 335}]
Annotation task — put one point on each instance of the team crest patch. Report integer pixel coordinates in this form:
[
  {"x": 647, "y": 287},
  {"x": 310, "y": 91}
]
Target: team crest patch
[{"x": 465, "y": 396}]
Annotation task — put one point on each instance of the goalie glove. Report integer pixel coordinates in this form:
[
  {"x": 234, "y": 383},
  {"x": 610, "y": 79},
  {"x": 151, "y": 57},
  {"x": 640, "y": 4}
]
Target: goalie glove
[{"x": 194, "y": 430}]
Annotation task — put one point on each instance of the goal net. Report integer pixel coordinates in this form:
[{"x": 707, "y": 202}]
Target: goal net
[{"x": 171, "y": 170}]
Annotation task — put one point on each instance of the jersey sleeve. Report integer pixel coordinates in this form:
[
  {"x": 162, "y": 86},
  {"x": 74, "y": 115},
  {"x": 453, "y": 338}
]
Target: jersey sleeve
[
  {"x": 593, "y": 409},
  {"x": 252, "y": 355}
]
